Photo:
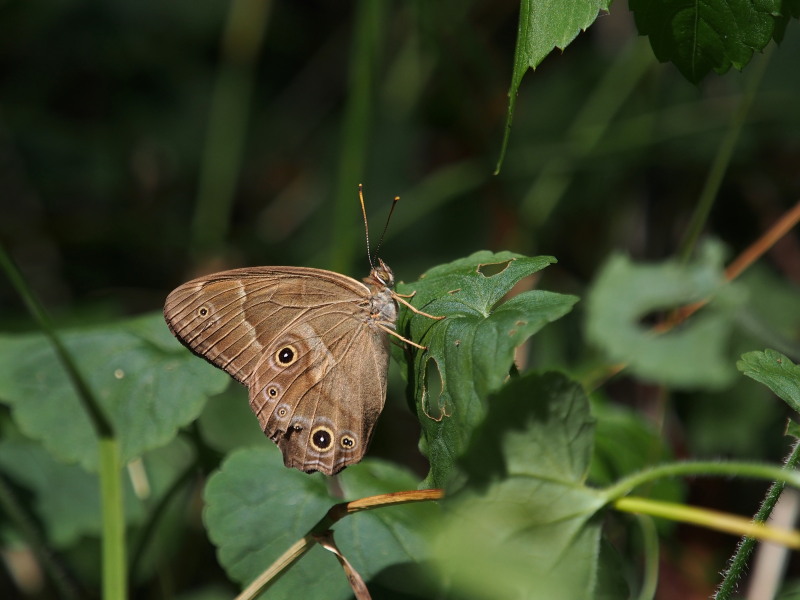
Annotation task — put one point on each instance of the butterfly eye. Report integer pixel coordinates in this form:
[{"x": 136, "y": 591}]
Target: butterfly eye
[
  {"x": 321, "y": 439},
  {"x": 273, "y": 392},
  {"x": 286, "y": 355},
  {"x": 347, "y": 442},
  {"x": 202, "y": 311},
  {"x": 282, "y": 411}
]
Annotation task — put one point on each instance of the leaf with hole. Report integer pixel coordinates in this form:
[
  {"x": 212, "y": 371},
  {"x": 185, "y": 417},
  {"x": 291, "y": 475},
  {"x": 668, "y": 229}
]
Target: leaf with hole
[
  {"x": 470, "y": 352},
  {"x": 625, "y": 294}
]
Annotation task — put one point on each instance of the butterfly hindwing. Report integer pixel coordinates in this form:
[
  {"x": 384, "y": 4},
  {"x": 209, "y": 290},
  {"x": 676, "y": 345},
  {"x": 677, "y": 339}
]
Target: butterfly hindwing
[{"x": 304, "y": 342}]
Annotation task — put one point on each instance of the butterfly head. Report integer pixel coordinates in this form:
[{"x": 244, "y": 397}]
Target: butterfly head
[{"x": 381, "y": 275}]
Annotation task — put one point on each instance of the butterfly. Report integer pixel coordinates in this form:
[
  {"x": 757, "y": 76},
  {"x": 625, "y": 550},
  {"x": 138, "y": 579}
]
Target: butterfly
[{"x": 312, "y": 347}]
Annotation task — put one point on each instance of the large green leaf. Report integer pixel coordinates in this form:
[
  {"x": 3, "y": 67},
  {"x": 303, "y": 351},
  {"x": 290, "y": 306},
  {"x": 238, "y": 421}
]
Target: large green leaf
[
  {"x": 469, "y": 353},
  {"x": 776, "y": 371},
  {"x": 66, "y": 498},
  {"x": 147, "y": 383},
  {"x": 524, "y": 525},
  {"x": 625, "y": 293},
  {"x": 711, "y": 35},
  {"x": 256, "y": 508}
]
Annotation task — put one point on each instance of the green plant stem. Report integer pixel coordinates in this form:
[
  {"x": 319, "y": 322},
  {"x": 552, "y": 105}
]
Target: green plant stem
[
  {"x": 227, "y": 124},
  {"x": 738, "y": 562},
  {"x": 704, "y": 468},
  {"x": 711, "y": 519},
  {"x": 115, "y": 580},
  {"x": 355, "y": 129},
  {"x": 110, "y": 474},
  {"x": 723, "y": 157},
  {"x": 27, "y": 528},
  {"x": 650, "y": 547},
  {"x": 87, "y": 399}
]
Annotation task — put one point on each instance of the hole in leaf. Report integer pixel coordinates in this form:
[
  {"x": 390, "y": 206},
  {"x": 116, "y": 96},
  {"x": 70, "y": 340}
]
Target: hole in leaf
[
  {"x": 432, "y": 388},
  {"x": 492, "y": 269}
]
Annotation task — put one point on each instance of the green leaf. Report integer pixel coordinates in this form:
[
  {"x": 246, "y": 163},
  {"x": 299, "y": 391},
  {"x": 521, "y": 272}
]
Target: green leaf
[
  {"x": 256, "y": 508},
  {"x": 66, "y": 498},
  {"x": 148, "y": 384},
  {"x": 776, "y": 371},
  {"x": 523, "y": 525},
  {"x": 700, "y": 36},
  {"x": 543, "y": 26},
  {"x": 690, "y": 356},
  {"x": 471, "y": 351}
]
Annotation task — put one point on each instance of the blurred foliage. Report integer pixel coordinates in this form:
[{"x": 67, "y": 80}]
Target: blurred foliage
[{"x": 106, "y": 113}]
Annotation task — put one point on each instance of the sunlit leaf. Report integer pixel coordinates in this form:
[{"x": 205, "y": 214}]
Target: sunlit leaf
[
  {"x": 256, "y": 508},
  {"x": 524, "y": 524},
  {"x": 469, "y": 353},
  {"x": 148, "y": 384}
]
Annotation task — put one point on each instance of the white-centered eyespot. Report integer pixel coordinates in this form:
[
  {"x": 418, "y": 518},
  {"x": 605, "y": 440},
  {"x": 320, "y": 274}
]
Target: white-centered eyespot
[
  {"x": 286, "y": 355},
  {"x": 321, "y": 439},
  {"x": 347, "y": 442}
]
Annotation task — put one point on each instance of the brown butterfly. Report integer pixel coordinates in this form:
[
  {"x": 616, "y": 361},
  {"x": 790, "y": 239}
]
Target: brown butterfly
[{"x": 310, "y": 345}]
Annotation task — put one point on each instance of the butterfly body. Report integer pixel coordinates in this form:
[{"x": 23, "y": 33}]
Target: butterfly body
[{"x": 310, "y": 345}]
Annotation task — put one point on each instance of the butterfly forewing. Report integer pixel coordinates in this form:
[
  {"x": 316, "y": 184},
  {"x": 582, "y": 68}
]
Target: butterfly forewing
[{"x": 306, "y": 345}]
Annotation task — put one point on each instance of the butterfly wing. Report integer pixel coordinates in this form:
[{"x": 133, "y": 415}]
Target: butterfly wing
[{"x": 307, "y": 347}]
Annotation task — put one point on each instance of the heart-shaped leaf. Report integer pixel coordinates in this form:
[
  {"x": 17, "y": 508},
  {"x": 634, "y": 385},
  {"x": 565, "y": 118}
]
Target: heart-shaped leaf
[
  {"x": 524, "y": 524},
  {"x": 131, "y": 368},
  {"x": 470, "y": 352},
  {"x": 256, "y": 508}
]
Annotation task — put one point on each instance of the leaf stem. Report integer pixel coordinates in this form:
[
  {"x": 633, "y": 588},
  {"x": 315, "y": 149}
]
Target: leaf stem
[
  {"x": 736, "y": 566},
  {"x": 115, "y": 579},
  {"x": 334, "y": 514},
  {"x": 114, "y": 573},
  {"x": 694, "y": 468},
  {"x": 650, "y": 547},
  {"x": 712, "y": 519},
  {"x": 100, "y": 422}
]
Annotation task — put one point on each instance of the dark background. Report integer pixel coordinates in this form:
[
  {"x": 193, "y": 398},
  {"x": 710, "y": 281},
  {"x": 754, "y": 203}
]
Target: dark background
[{"x": 105, "y": 108}]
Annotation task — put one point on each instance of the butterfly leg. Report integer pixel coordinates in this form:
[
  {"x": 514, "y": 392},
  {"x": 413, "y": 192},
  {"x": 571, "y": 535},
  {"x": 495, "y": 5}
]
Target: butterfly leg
[
  {"x": 413, "y": 309},
  {"x": 391, "y": 331}
]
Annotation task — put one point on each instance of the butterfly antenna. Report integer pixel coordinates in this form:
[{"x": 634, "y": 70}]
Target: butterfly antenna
[
  {"x": 386, "y": 226},
  {"x": 366, "y": 224}
]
